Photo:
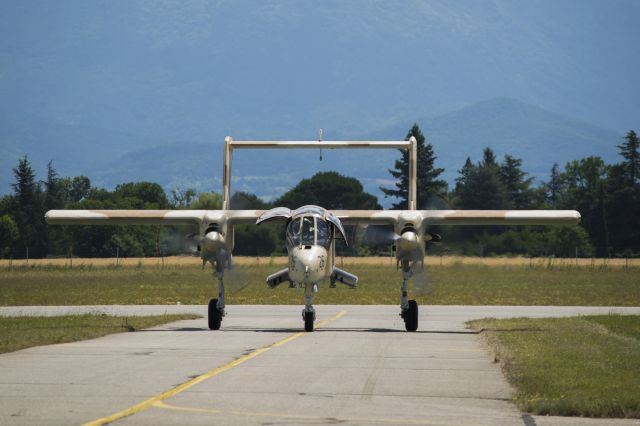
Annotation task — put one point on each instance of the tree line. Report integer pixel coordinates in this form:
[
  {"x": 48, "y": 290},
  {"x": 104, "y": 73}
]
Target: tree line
[{"x": 606, "y": 195}]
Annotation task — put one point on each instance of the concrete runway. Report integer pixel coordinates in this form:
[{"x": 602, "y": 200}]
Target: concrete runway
[{"x": 358, "y": 368}]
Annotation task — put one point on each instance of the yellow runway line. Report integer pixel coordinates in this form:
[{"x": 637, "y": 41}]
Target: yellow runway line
[{"x": 186, "y": 385}]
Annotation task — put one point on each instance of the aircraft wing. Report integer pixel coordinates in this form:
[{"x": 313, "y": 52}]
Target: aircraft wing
[
  {"x": 149, "y": 217},
  {"x": 459, "y": 217}
]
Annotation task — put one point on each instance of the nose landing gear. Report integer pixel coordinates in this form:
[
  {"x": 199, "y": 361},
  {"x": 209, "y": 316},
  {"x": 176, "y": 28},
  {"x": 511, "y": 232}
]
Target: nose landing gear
[
  {"x": 309, "y": 318},
  {"x": 309, "y": 313}
]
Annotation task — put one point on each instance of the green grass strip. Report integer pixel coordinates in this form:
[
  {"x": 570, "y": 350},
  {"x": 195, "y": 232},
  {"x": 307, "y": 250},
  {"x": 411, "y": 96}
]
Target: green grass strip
[
  {"x": 24, "y": 332},
  {"x": 579, "y": 366},
  {"x": 378, "y": 284}
]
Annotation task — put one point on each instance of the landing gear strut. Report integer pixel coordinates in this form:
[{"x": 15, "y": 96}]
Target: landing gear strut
[
  {"x": 408, "y": 308},
  {"x": 216, "y": 306},
  {"x": 309, "y": 313}
]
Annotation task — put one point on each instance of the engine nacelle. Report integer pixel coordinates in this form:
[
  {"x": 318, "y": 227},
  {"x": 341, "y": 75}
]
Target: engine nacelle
[
  {"x": 408, "y": 241},
  {"x": 213, "y": 241}
]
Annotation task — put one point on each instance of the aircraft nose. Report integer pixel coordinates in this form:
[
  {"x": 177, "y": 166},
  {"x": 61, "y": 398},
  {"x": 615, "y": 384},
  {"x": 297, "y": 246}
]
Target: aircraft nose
[{"x": 309, "y": 263}]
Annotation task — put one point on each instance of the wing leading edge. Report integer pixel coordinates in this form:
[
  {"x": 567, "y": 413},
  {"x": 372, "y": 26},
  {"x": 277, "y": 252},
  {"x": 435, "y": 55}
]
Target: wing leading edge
[
  {"x": 149, "y": 217},
  {"x": 347, "y": 217},
  {"x": 459, "y": 217}
]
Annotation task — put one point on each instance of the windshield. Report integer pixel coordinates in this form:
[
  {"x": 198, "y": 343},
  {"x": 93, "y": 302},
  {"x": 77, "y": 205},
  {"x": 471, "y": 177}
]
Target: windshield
[
  {"x": 324, "y": 234},
  {"x": 308, "y": 231}
]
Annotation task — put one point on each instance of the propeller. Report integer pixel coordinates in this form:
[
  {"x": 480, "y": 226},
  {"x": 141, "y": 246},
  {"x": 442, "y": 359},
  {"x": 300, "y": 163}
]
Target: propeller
[
  {"x": 192, "y": 243},
  {"x": 176, "y": 240},
  {"x": 423, "y": 281},
  {"x": 379, "y": 235}
]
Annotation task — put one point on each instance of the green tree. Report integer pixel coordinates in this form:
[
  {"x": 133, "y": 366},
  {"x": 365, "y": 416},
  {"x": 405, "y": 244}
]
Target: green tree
[
  {"x": 428, "y": 184},
  {"x": 74, "y": 189},
  {"x": 480, "y": 186},
  {"x": 55, "y": 198},
  {"x": 244, "y": 201},
  {"x": 517, "y": 184},
  {"x": 488, "y": 158},
  {"x": 54, "y": 194},
  {"x": 141, "y": 195},
  {"x": 27, "y": 210},
  {"x": 630, "y": 151},
  {"x": 585, "y": 191},
  {"x": 623, "y": 210},
  {"x": 8, "y": 234},
  {"x": 206, "y": 201},
  {"x": 181, "y": 198},
  {"x": 330, "y": 190},
  {"x": 253, "y": 240},
  {"x": 104, "y": 241},
  {"x": 553, "y": 189}
]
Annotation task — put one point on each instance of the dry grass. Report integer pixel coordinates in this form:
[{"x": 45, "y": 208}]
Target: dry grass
[{"x": 348, "y": 261}]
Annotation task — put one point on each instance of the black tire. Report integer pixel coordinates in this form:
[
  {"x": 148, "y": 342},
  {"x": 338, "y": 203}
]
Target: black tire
[
  {"x": 308, "y": 321},
  {"x": 411, "y": 316},
  {"x": 214, "y": 315}
]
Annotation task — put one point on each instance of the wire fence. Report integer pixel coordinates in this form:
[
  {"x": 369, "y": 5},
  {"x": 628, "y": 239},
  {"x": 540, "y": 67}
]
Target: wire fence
[{"x": 433, "y": 260}]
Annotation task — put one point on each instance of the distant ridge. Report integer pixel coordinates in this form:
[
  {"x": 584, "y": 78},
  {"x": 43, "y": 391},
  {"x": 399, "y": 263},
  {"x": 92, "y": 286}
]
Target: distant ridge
[{"x": 508, "y": 126}]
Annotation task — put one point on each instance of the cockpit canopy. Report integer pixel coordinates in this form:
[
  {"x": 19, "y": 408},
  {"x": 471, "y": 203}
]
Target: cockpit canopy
[
  {"x": 308, "y": 231},
  {"x": 308, "y": 225}
]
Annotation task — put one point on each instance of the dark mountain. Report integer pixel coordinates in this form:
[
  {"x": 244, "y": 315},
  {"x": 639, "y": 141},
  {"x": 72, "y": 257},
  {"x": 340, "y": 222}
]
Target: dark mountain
[
  {"x": 512, "y": 127},
  {"x": 507, "y": 126}
]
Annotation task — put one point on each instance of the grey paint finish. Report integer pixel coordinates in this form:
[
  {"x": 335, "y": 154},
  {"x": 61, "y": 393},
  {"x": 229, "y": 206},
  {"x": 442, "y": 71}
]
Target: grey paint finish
[{"x": 360, "y": 368}]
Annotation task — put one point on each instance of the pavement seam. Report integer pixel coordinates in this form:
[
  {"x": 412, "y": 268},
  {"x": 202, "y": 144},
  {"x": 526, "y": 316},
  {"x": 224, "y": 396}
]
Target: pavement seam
[
  {"x": 165, "y": 406},
  {"x": 211, "y": 373}
]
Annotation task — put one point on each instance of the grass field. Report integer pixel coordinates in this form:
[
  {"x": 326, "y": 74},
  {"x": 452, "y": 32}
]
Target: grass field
[
  {"x": 24, "y": 332},
  {"x": 468, "y": 281},
  {"x": 582, "y": 366}
]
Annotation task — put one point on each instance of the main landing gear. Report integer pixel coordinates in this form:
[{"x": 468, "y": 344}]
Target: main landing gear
[
  {"x": 216, "y": 306},
  {"x": 408, "y": 308},
  {"x": 410, "y": 316}
]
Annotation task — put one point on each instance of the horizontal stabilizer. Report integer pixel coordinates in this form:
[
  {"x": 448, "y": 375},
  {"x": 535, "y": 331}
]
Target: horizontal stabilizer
[
  {"x": 344, "y": 277},
  {"x": 278, "y": 277}
]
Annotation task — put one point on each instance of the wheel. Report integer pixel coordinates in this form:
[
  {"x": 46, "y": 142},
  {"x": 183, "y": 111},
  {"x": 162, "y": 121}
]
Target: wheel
[
  {"x": 308, "y": 321},
  {"x": 214, "y": 315},
  {"x": 411, "y": 316}
]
